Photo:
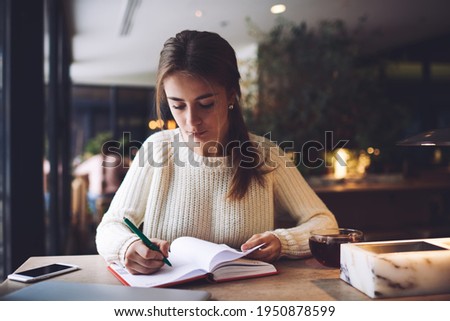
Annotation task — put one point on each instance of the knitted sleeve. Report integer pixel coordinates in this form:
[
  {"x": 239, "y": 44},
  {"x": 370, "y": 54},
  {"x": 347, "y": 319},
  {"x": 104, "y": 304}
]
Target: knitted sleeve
[
  {"x": 293, "y": 194},
  {"x": 113, "y": 236}
]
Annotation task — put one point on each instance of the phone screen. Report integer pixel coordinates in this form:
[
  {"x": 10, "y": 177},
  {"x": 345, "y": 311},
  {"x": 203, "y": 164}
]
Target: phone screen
[{"x": 44, "y": 270}]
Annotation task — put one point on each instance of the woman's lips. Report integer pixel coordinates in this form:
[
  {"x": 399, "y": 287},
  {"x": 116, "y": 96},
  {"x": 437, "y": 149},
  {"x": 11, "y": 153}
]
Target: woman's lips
[{"x": 198, "y": 134}]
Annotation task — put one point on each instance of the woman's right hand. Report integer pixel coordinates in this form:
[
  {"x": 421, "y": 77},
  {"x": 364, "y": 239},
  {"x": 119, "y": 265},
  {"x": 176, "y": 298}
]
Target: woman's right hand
[{"x": 139, "y": 259}]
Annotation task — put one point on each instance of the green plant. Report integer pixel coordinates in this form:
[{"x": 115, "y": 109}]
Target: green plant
[
  {"x": 316, "y": 80},
  {"x": 94, "y": 145}
]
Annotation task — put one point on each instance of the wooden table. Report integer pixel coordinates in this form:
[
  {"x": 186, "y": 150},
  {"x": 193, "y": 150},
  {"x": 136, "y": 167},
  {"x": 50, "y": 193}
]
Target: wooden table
[{"x": 297, "y": 280}]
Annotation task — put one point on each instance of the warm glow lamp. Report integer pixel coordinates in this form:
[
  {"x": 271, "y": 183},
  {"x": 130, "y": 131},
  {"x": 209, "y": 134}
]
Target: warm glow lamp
[{"x": 435, "y": 137}]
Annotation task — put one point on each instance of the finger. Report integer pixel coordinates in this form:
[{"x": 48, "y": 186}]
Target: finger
[
  {"x": 143, "y": 267},
  {"x": 148, "y": 254},
  {"x": 163, "y": 249},
  {"x": 163, "y": 246},
  {"x": 271, "y": 249},
  {"x": 146, "y": 263},
  {"x": 253, "y": 241},
  {"x": 260, "y": 254},
  {"x": 150, "y": 267},
  {"x": 141, "y": 259},
  {"x": 268, "y": 254}
]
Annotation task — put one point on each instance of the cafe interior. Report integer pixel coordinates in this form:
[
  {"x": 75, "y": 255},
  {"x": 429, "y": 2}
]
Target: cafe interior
[{"x": 366, "y": 82}]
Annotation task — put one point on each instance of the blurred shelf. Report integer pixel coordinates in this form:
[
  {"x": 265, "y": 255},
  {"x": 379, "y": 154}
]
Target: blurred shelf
[{"x": 382, "y": 183}]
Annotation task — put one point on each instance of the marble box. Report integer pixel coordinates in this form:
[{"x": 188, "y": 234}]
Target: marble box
[{"x": 397, "y": 268}]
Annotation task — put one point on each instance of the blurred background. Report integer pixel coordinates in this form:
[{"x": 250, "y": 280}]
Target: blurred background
[{"x": 326, "y": 79}]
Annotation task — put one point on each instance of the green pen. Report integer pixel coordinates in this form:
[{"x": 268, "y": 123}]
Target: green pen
[{"x": 144, "y": 239}]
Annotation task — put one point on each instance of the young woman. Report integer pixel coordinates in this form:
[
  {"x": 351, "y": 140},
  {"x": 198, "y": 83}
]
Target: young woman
[{"x": 209, "y": 178}]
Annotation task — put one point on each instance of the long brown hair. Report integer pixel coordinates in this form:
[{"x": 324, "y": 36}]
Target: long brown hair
[{"x": 209, "y": 56}]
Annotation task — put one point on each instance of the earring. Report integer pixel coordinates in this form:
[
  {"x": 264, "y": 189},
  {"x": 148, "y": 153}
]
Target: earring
[{"x": 230, "y": 106}]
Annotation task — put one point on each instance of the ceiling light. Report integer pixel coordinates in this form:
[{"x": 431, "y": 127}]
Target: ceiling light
[
  {"x": 198, "y": 13},
  {"x": 278, "y": 8}
]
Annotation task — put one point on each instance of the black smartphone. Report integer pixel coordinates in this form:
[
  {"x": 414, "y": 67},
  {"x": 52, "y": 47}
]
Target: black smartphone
[{"x": 42, "y": 272}]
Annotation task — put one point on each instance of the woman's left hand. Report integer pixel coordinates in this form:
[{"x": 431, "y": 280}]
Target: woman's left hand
[{"x": 269, "y": 252}]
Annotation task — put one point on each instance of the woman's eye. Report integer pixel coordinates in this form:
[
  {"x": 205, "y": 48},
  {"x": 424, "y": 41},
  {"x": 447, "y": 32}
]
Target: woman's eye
[
  {"x": 206, "y": 106},
  {"x": 178, "y": 107}
]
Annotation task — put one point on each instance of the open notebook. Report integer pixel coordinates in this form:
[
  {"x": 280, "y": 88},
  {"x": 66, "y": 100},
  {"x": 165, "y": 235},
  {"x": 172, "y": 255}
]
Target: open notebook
[{"x": 194, "y": 259}]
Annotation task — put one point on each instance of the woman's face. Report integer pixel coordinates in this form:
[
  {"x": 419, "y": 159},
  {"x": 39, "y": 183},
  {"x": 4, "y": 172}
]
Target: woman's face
[{"x": 200, "y": 109}]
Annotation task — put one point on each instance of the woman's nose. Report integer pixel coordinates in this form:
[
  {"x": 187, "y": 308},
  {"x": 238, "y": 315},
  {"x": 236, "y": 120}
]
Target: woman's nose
[{"x": 192, "y": 117}]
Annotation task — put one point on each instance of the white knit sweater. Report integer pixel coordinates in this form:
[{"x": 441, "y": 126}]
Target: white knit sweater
[{"x": 175, "y": 192}]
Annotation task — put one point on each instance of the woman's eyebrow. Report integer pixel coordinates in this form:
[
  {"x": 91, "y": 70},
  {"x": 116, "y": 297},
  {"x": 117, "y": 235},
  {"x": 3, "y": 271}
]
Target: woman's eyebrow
[{"x": 197, "y": 98}]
